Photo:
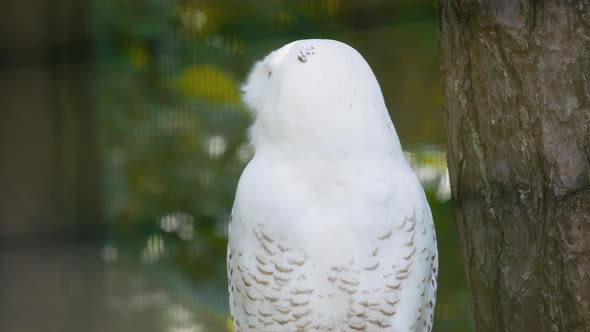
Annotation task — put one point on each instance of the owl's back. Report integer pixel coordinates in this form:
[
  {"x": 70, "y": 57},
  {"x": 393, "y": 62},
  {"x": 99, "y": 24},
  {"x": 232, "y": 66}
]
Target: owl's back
[{"x": 331, "y": 253}]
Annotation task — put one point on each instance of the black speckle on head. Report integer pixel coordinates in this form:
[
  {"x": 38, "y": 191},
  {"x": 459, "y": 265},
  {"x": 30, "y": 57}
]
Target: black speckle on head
[{"x": 305, "y": 53}]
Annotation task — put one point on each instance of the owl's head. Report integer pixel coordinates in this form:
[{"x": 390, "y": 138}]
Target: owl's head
[{"x": 318, "y": 96}]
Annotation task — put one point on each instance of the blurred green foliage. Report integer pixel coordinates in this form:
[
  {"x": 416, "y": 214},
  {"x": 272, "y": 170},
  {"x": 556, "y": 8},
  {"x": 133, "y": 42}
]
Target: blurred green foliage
[{"x": 173, "y": 131}]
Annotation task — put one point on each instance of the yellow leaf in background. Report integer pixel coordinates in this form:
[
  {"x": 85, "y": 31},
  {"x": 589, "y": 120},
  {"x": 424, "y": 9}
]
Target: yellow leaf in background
[
  {"x": 192, "y": 18},
  {"x": 230, "y": 325},
  {"x": 332, "y": 7},
  {"x": 208, "y": 82},
  {"x": 138, "y": 55},
  {"x": 319, "y": 9}
]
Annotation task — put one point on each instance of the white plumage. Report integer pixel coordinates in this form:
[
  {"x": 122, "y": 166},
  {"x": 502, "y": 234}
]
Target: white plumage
[{"x": 330, "y": 229}]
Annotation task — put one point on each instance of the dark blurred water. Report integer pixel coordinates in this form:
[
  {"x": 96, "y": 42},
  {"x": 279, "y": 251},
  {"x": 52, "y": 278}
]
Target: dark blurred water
[{"x": 124, "y": 137}]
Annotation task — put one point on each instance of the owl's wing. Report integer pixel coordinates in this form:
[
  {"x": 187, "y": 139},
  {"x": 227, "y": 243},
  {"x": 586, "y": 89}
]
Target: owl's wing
[
  {"x": 268, "y": 285},
  {"x": 416, "y": 272},
  {"x": 394, "y": 287}
]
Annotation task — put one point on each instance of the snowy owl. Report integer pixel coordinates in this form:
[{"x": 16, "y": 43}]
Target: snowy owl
[{"x": 330, "y": 229}]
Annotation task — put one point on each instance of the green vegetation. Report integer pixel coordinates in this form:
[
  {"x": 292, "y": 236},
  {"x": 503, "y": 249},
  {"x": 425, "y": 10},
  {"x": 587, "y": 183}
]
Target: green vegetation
[{"x": 173, "y": 134}]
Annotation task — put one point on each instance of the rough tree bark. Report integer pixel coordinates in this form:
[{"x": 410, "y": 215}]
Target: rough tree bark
[{"x": 516, "y": 77}]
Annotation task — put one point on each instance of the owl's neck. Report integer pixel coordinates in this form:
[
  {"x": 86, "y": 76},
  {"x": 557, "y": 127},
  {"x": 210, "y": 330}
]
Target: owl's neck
[
  {"x": 322, "y": 147},
  {"x": 339, "y": 162}
]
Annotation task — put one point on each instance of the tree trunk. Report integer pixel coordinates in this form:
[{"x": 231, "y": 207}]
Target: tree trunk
[{"x": 516, "y": 78}]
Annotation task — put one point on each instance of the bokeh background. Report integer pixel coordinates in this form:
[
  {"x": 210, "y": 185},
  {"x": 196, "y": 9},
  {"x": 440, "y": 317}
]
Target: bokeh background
[{"x": 122, "y": 138}]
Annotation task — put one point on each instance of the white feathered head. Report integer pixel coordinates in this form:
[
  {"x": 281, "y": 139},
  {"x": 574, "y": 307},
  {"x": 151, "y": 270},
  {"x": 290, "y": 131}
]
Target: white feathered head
[{"x": 318, "y": 96}]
